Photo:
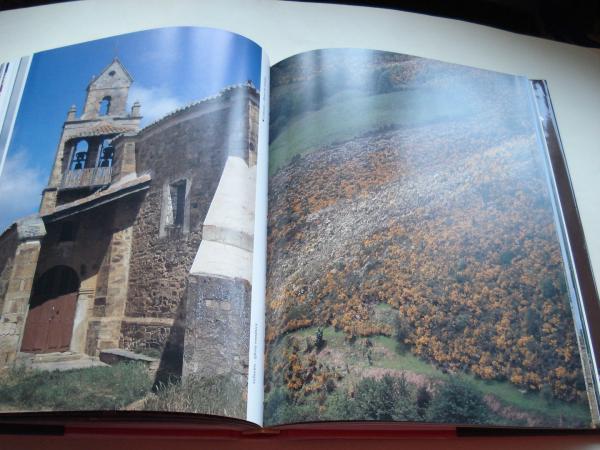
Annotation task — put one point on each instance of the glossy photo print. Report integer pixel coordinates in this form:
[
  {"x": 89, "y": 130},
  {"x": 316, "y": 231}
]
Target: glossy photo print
[
  {"x": 119, "y": 288},
  {"x": 415, "y": 270}
]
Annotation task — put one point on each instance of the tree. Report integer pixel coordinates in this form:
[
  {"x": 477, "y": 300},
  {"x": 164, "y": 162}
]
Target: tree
[
  {"x": 457, "y": 402},
  {"x": 389, "y": 398},
  {"x": 339, "y": 406},
  {"x": 423, "y": 401},
  {"x": 320, "y": 342}
]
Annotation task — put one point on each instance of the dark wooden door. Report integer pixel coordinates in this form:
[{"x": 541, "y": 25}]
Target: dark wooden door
[{"x": 49, "y": 323}]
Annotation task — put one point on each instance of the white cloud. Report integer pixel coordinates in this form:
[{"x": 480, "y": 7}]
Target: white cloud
[
  {"x": 21, "y": 186},
  {"x": 156, "y": 102}
]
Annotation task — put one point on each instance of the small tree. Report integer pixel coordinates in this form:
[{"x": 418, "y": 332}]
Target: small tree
[
  {"x": 423, "y": 401},
  {"x": 389, "y": 398},
  {"x": 457, "y": 402},
  {"x": 320, "y": 342}
]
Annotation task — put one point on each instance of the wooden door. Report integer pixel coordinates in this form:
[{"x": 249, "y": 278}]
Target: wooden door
[{"x": 51, "y": 314}]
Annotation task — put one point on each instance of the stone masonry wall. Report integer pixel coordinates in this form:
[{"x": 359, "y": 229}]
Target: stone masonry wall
[
  {"x": 8, "y": 246},
  {"x": 85, "y": 253},
  {"x": 115, "y": 270},
  {"x": 26, "y": 244},
  {"x": 193, "y": 145},
  {"x": 217, "y": 325},
  {"x": 16, "y": 301},
  {"x": 144, "y": 337},
  {"x": 100, "y": 236}
]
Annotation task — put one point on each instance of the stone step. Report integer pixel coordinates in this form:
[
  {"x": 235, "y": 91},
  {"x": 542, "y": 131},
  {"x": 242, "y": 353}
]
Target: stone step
[
  {"x": 82, "y": 363},
  {"x": 56, "y": 356},
  {"x": 58, "y": 361},
  {"x": 118, "y": 355}
]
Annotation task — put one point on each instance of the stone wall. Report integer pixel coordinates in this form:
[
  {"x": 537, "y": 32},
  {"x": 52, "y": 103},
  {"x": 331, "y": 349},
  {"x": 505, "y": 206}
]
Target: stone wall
[
  {"x": 113, "y": 81},
  {"x": 253, "y": 124},
  {"x": 86, "y": 252},
  {"x": 13, "y": 314},
  {"x": 133, "y": 278},
  {"x": 99, "y": 255},
  {"x": 8, "y": 246},
  {"x": 124, "y": 161},
  {"x": 217, "y": 327},
  {"x": 191, "y": 145},
  {"x": 145, "y": 337},
  {"x": 219, "y": 294},
  {"x": 115, "y": 271}
]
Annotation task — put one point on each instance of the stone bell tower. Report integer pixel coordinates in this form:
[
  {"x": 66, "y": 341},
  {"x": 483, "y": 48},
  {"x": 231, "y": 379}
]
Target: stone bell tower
[
  {"x": 85, "y": 153},
  {"x": 107, "y": 93}
]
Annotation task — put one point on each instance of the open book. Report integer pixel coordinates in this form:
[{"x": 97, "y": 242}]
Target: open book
[{"x": 349, "y": 235}]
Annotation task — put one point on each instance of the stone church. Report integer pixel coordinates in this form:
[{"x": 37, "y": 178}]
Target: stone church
[{"x": 143, "y": 240}]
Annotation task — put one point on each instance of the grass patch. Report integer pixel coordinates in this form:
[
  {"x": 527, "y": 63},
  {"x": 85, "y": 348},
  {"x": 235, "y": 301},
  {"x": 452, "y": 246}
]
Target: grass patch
[
  {"x": 93, "y": 388},
  {"x": 402, "y": 361},
  {"x": 530, "y": 401},
  {"x": 390, "y": 358},
  {"x": 221, "y": 395},
  {"x": 504, "y": 391},
  {"x": 355, "y": 114}
]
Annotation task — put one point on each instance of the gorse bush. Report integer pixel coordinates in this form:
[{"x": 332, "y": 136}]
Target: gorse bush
[{"x": 94, "y": 388}]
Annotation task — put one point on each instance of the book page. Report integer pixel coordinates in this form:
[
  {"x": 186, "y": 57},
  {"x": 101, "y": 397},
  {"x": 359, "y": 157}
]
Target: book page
[
  {"x": 415, "y": 270},
  {"x": 128, "y": 200}
]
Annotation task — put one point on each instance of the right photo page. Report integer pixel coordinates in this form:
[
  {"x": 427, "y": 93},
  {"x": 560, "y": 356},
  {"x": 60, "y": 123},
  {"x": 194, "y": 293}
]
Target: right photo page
[{"x": 415, "y": 270}]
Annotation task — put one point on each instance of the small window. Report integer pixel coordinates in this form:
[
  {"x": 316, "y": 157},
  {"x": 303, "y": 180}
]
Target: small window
[
  {"x": 177, "y": 194},
  {"x": 174, "y": 207},
  {"x": 67, "y": 232},
  {"x": 105, "y": 106},
  {"x": 80, "y": 154}
]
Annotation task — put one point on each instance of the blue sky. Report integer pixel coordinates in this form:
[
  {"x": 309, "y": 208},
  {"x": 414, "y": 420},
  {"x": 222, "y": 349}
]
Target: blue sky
[{"x": 170, "y": 67}]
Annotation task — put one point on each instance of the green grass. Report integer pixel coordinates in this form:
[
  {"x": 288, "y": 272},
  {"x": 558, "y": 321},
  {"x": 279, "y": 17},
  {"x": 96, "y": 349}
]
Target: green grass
[
  {"x": 530, "y": 401},
  {"x": 354, "y": 114},
  {"x": 221, "y": 395},
  {"x": 94, "y": 388},
  {"x": 504, "y": 391},
  {"x": 402, "y": 361}
]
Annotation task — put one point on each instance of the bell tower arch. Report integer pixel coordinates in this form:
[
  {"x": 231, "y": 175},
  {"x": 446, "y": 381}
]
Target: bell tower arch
[
  {"x": 107, "y": 93},
  {"x": 85, "y": 153}
]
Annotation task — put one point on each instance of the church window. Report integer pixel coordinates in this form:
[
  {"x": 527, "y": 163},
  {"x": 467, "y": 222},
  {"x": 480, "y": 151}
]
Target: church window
[
  {"x": 105, "y": 106},
  {"x": 177, "y": 194},
  {"x": 80, "y": 155},
  {"x": 175, "y": 207}
]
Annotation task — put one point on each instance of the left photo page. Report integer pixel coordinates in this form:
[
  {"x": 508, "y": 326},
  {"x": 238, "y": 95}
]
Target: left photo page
[{"x": 127, "y": 199}]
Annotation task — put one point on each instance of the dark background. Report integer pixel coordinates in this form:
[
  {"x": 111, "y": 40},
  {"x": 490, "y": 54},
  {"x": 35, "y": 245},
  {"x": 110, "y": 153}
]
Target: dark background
[{"x": 572, "y": 21}]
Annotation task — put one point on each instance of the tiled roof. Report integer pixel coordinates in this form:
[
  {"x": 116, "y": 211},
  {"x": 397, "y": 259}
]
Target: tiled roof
[
  {"x": 101, "y": 196},
  {"x": 103, "y": 128}
]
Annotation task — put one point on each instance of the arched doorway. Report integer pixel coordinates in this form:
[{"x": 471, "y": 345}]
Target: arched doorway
[{"x": 49, "y": 323}]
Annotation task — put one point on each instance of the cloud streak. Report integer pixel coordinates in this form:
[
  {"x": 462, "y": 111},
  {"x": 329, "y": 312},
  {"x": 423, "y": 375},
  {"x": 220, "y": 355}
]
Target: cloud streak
[
  {"x": 156, "y": 102},
  {"x": 21, "y": 185}
]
